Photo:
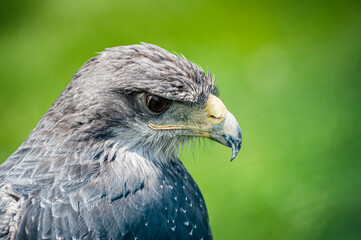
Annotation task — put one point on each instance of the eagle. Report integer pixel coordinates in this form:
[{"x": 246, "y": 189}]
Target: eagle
[{"x": 102, "y": 163}]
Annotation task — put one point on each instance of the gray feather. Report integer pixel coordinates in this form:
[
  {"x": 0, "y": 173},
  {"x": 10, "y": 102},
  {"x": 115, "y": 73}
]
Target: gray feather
[{"x": 92, "y": 168}]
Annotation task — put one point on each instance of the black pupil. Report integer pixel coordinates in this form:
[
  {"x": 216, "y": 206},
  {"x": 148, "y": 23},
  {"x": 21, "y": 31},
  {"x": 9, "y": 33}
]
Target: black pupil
[{"x": 157, "y": 104}]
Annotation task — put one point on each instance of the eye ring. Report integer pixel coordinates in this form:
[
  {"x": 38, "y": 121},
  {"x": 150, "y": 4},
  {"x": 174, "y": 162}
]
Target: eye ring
[{"x": 157, "y": 104}]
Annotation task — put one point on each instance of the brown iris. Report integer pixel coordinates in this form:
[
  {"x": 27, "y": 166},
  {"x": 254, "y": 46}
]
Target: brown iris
[{"x": 157, "y": 104}]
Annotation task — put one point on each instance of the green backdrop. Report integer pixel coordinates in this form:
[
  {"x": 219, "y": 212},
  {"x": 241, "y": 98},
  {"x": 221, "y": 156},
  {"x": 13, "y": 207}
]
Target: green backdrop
[{"x": 288, "y": 70}]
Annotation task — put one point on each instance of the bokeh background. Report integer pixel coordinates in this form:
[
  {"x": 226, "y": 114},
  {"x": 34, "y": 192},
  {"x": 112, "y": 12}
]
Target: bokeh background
[{"x": 288, "y": 70}]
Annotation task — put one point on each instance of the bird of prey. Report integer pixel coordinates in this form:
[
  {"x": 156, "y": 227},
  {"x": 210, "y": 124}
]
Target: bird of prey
[{"x": 102, "y": 163}]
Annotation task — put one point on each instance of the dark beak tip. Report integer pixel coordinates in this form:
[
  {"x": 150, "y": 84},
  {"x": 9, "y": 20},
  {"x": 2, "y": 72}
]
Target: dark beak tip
[
  {"x": 236, "y": 147},
  {"x": 236, "y": 144}
]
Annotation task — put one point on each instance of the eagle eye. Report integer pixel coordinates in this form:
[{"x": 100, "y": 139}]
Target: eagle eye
[{"x": 157, "y": 104}]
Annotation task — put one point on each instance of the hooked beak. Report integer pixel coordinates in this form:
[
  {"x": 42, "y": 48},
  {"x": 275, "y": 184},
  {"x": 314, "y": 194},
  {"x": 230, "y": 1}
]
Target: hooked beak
[
  {"x": 217, "y": 124},
  {"x": 225, "y": 128}
]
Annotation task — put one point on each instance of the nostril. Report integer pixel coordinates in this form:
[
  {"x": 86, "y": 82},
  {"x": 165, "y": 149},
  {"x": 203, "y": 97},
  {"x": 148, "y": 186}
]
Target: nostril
[{"x": 215, "y": 109}]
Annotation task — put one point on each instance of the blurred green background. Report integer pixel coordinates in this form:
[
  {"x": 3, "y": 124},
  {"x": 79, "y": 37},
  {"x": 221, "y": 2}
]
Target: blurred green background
[{"x": 288, "y": 70}]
